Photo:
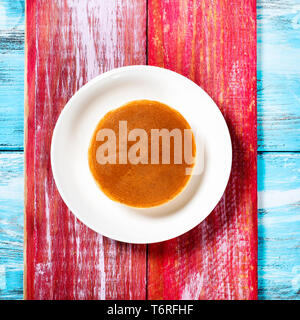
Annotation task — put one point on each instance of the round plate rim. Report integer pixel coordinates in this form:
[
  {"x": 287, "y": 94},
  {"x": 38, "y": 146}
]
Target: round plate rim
[{"x": 65, "y": 110}]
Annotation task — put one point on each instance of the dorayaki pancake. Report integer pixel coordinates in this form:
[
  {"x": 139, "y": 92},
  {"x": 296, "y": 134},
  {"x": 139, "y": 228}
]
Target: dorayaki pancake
[{"x": 143, "y": 184}]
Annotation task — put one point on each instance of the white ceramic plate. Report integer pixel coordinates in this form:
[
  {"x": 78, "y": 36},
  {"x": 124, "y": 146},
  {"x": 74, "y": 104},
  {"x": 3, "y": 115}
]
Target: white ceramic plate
[{"x": 74, "y": 129}]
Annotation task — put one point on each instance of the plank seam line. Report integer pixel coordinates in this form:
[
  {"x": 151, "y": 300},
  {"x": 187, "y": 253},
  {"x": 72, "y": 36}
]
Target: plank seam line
[
  {"x": 147, "y": 21},
  {"x": 275, "y": 151},
  {"x": 21, "y": 150},
  {"x": 7, "y": 150},
  {"x": 147, "y": 246}
]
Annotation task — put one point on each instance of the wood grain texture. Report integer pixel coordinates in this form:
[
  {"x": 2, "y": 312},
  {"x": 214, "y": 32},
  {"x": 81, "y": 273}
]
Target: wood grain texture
[
  {"x": 68, "y": 43},
  {"x": 279, "y": 226},
  {"x": 278, "y": 75},
  {"x": 11, "y": 225},
  {"x": 11, "y": 74},
  {"x": 214, "y": 44},
  {"x": 277, "y": 257}
]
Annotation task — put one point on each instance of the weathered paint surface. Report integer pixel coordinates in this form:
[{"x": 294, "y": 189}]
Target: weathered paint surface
[
  {"x": 11, "y": 225},
  {"x": 11, "y": 74},
  {"x": 68, "y": 43},
  {"x": 278, "y": 75},
  {"x": 277, "y": 258},
  {"x": 279, "y": 226},
  {"x": 214, "y": 44}
]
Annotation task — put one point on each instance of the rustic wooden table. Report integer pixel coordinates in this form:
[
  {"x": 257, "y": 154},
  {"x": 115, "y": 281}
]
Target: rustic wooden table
[{"x": 278, "y": 73}]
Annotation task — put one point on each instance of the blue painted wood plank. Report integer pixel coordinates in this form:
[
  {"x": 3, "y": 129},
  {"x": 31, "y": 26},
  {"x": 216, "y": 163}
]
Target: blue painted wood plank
[
  {"x": 278, "y": 26},
  {"x": 11, "y": 137},
  {"x": 279, "y": 225},
  {"x": 11, "y": 225},
  {"x": 11, "y": 74}
]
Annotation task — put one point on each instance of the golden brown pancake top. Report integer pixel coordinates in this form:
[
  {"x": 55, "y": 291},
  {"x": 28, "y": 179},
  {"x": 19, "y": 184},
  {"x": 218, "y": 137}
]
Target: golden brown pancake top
[{"x": 141, "y": 185}]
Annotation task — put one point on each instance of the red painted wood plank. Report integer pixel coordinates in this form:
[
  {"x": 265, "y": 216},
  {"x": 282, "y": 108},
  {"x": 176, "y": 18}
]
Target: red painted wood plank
[
  {"x": 69, "y": 42},
  {"x": 214, "y": 44}
]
